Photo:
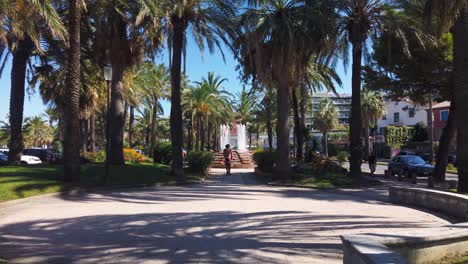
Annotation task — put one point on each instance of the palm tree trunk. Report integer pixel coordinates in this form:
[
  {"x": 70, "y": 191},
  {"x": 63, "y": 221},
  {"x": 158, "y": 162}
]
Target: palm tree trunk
[
  {"x": 297, "y": 126},
  {"x": 303, "y": 109},
  {"x": 258, "y": 137},
  {"x": 177, "y": 136},
  {"x": 130, "y": 125},
  {"x": 126, "y": 105},
  {"x": 119, "y": 57},
  {"x": 366, "y": 140},
  {"x": 460, "y": 41},
  {"x": 197, "y": 139},
  {"x": 92, "y": 132},
  {"x": 356, "y": 122},
  {"x": 202, "y": 134},
  {"x": 190, "y": 136},
  {"x": 18, "y": 76},
  {"x": 250, "y": 139},
  {"x": 71, "y": 148},
  {"x": 208, "y": 147},
  {"x": 444, "y": 146},
  {"x": 269, "y": 125},
  {"x": 325, "y": 143},
  {"x": 282, "y": 130},
  {"x": 84, "y": 135},
  {"x": 154, "y": 117}
]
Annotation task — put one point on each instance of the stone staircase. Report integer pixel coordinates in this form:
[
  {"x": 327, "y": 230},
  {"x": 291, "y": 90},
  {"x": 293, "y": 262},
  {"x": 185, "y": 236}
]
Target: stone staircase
[{"x": 241, "y": 160}]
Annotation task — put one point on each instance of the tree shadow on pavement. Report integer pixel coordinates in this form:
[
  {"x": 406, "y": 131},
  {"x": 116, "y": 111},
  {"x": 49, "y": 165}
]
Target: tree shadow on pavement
[{"x": 211, "y": 237}]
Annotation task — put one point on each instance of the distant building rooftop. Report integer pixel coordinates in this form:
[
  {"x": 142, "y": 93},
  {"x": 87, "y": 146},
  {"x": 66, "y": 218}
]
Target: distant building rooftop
[
  {"x": 331, "y": 95},
  {"x": 444, "y": 104}
]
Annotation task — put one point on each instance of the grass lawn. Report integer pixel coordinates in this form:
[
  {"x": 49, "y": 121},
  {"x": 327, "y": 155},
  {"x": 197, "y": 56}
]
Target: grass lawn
[
  {"x": 24, "y": 181},
  {"x": 322, "y": 181},
  {"x": 332, "y": 180},
  {"x": 456, "y": 260}
]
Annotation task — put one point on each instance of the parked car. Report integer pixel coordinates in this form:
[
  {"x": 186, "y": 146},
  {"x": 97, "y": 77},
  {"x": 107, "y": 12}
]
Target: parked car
[
  {"x": 405, "y": 153},
  {"x": 409, "y": 166},
  {"x": 46, "y": 155},
  {"x": 25, "y": 159},
  {"x": 3, "y": 159}
]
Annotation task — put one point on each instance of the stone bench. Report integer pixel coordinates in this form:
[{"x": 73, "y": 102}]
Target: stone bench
[{"x": 452, "y": 204}]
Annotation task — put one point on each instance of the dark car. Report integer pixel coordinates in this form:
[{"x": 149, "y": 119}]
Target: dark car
[
  {"x": 3, "y": 159},
  {"x": 46, "y": 155},
  {"x": 409, "y": 166}
]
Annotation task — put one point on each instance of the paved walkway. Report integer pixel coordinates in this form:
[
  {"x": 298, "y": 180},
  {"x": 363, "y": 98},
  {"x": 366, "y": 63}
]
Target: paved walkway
[{"x": 229, "y": 219}]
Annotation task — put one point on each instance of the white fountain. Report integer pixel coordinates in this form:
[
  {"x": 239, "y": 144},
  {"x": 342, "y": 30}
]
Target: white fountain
[
  {"x": 224, "y": 140},
  {"x": 241, "y": 140}
]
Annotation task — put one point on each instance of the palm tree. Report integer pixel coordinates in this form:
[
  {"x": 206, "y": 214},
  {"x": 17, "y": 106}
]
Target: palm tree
[
  {"x": 325, "y": 119},
  {"x": 71, "y": 146},
  {"x": 277, "y": 39},
  {"x": 207, "y": 20},
  {"x": 373, "y": 108},
  {"x": 23, "y": 26},
  {"x": 454, "y": 14},
  {"x": 359, "y": 22},
  {"x": 207, "y": 106},
  {"x": 38, "y": 132},
  {"x": 153, "y": 81}
]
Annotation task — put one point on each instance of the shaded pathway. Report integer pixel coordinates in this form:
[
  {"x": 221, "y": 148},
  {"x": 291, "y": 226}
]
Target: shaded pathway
[{"x": 229, "y": 219}]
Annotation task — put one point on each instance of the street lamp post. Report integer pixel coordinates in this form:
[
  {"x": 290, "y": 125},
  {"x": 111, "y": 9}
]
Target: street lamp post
[{"x": 108, "y": 77}]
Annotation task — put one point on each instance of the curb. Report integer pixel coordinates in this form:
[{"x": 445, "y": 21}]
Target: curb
[{"x": 83, "y": 190}]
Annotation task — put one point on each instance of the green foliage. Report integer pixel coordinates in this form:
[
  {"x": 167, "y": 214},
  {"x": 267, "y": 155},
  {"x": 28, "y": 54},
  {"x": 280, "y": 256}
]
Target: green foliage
[
  {"x": 326, "y": 116},
  {"x": 199, "y": 161},
  {"x": 265, "y": 160},
  {"x": 334, "y": 149},
  {"x": 397, "y": 136},
  {"x": 342, "y": 157},
  {"x": 162, "y": 153},
  {"x": 319, "y": 164},
  {"x": 420, "y": 132},
  {"x": 95, "y": 157}
]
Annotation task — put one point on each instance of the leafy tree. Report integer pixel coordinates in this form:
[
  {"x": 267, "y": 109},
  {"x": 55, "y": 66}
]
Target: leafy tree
[
  {"x": 325, "y": 119},
  {"x": 446, "y": 14}
]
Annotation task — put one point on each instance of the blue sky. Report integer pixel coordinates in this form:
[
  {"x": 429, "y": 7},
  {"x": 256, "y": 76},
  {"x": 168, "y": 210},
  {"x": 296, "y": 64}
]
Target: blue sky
[{"x": 196, "y": 69}]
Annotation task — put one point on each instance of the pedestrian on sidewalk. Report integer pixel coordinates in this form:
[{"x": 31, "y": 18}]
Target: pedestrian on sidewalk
[
  {"x": 227, "y": 153},
  {"x": 372, "y": 159}
]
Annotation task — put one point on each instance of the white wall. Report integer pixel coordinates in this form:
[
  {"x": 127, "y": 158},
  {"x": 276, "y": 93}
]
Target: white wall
[{"x": 392, "y": 107}]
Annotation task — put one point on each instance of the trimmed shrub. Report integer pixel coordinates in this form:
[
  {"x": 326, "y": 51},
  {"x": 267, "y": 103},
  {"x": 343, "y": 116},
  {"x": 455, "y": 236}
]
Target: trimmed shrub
[
  {"x": 265, "y": 160},
  {"x": 199, "y": 161},
  {"x": 397, "y": 136},
  {"x": 162, "y": 153},
  {"x": 94, "y": 157},
  {"x": 342, "y": 157},
  {"x": 131, "y": 155}
]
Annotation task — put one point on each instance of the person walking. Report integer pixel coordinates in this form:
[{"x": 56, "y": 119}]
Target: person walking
[
  {"x": 372, "y": 159},
  {"x": 227, "y": 153}
]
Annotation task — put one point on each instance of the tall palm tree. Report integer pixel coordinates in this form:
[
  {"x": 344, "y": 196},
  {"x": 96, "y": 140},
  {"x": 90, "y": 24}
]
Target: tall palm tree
[
  {"x": 278, "y": 38},
  {"x": 454, "y": 14},
  {"x": 207, "y": 106},
  {"x": 373, "y": 108},
  {"x": 23, "y": 26},
  {"x": 325, "y": 119},
  {"x": 206, "y": 20},
  {"x": 153, "y": 81},
  {"x": 245, "y": 106},
  {"x": 359, "y": 22},
  {"x": 71, "y": 146}
]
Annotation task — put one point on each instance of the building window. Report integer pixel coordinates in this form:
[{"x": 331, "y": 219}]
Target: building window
[
  {"x": 384, "y": 117},
  {"x": 396, "y": 117},
  {"x": 411, "y": 112},
  {"x": 444, "y": 115}
]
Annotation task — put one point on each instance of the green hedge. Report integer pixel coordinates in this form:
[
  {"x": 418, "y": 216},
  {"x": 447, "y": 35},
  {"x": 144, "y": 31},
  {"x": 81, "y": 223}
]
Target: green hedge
[
  {"x": 199, "y": 161},
  {"x": 334, "y": 149},
  {"x": 162, "y": 153},
  {"x": 397, "y": 136},
  {"x": 265, "y": 160}
]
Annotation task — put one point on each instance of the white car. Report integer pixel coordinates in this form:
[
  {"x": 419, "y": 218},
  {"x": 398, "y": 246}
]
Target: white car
[{"x": 25, "y": 159}]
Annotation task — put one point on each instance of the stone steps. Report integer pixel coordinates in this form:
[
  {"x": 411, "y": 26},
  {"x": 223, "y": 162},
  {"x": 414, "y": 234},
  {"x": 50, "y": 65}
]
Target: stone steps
[{"x": 241, "y": 160}]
